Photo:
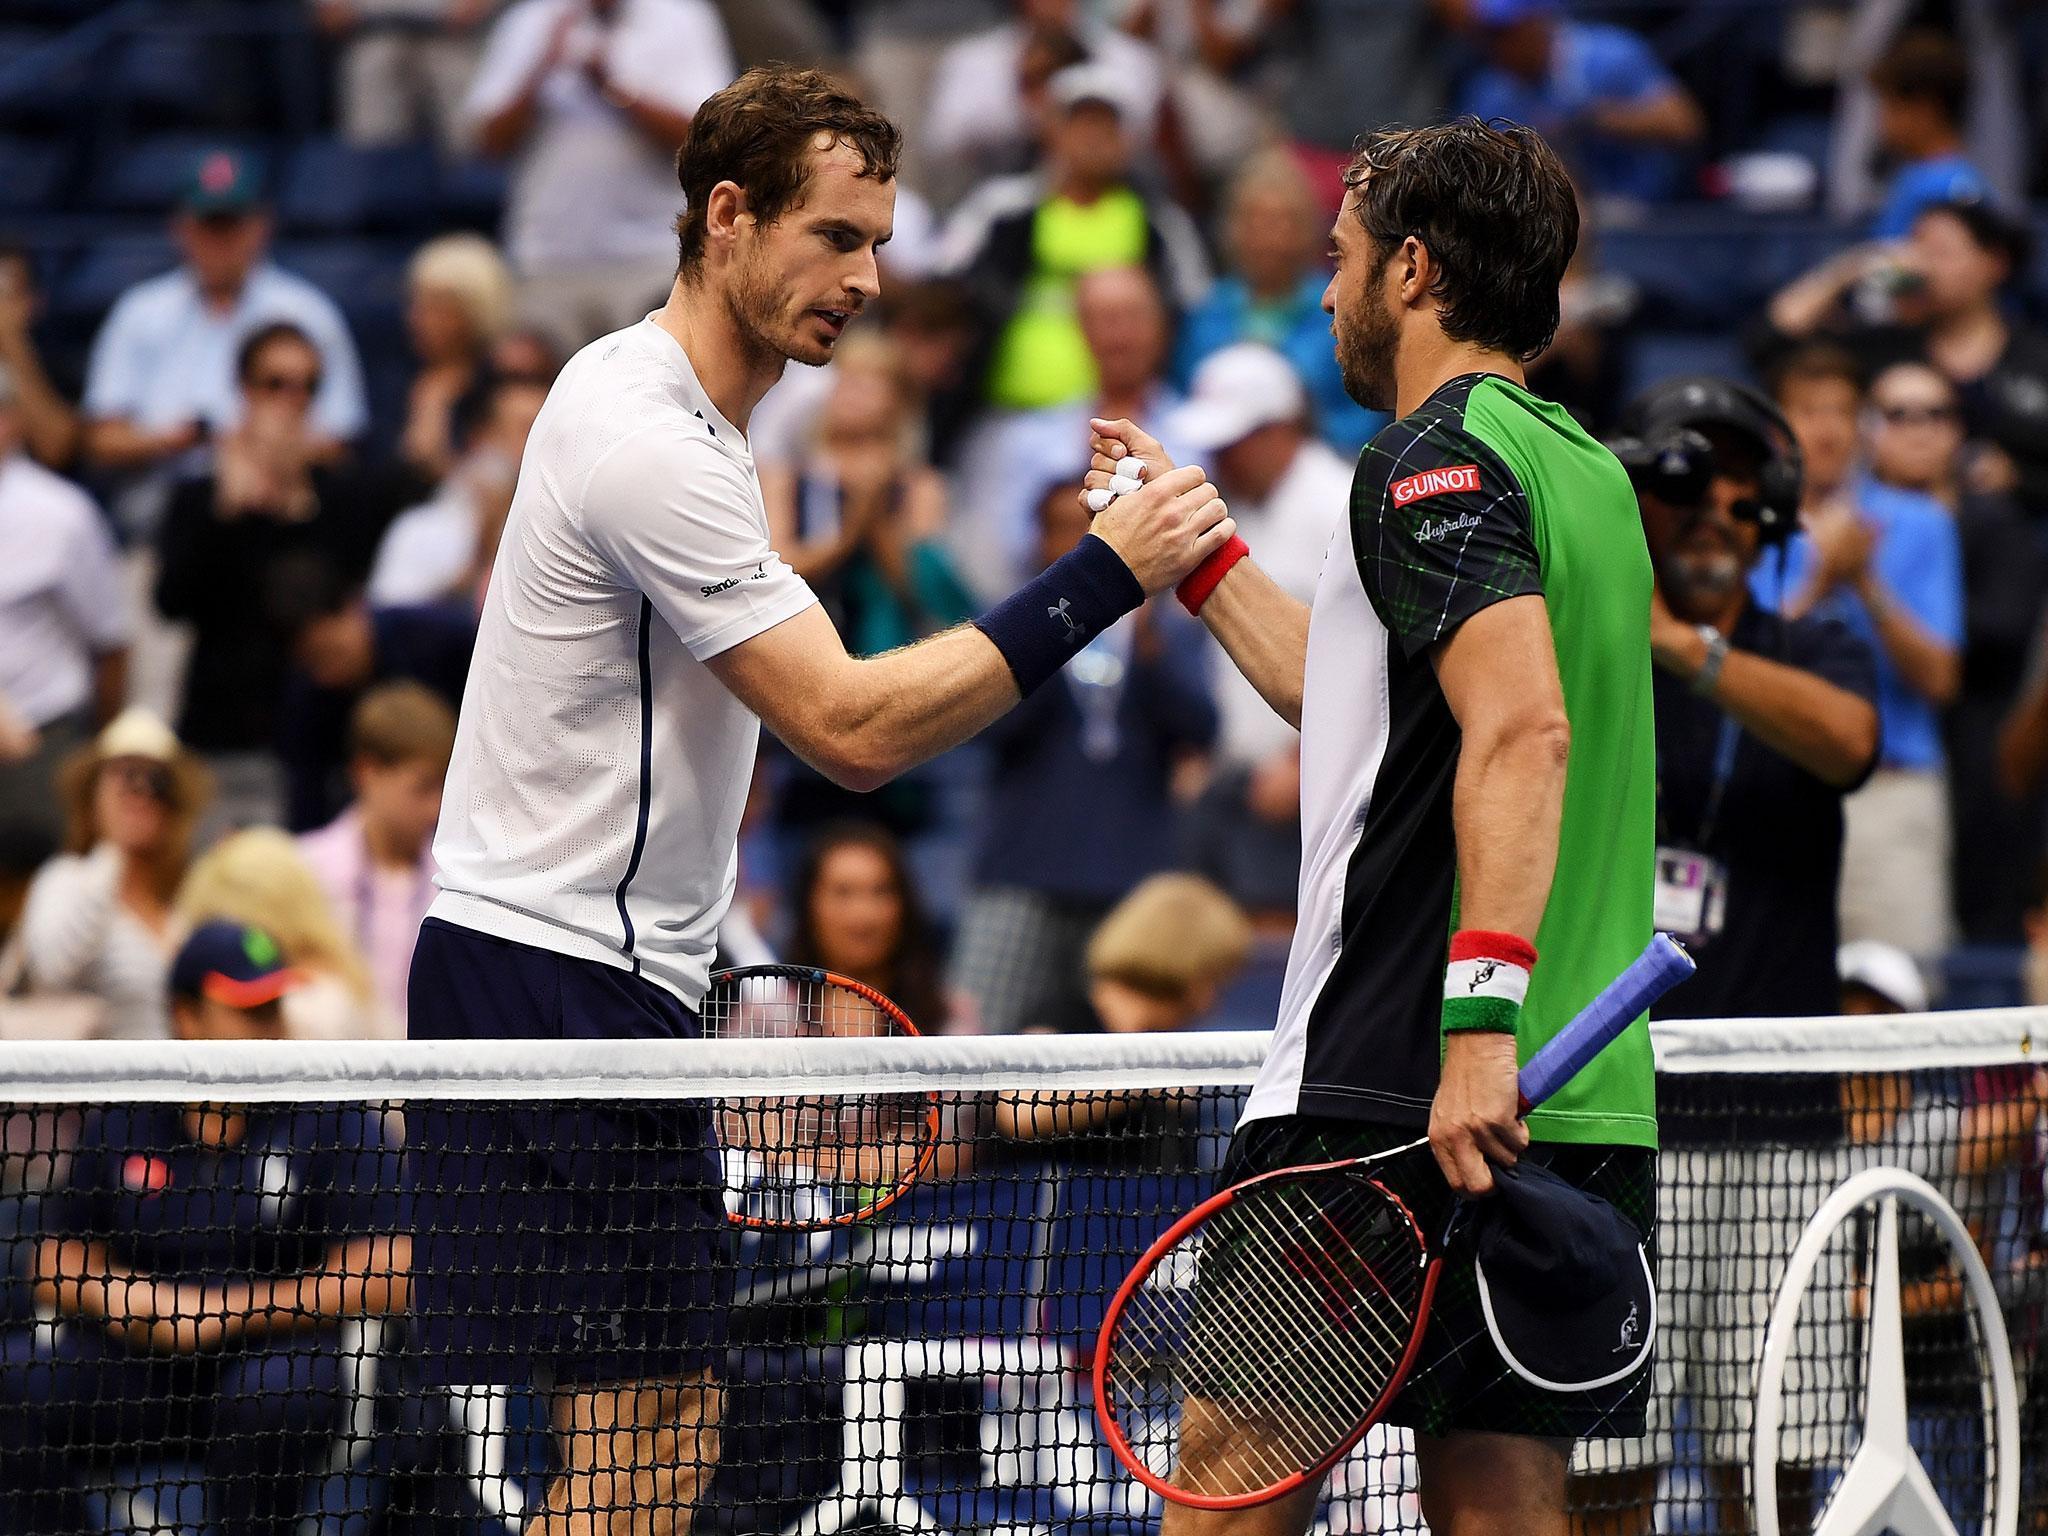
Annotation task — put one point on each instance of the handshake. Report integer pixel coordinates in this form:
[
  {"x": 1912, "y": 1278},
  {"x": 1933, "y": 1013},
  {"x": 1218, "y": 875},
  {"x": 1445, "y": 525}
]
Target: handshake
[{"x": 1162, "y": 521}]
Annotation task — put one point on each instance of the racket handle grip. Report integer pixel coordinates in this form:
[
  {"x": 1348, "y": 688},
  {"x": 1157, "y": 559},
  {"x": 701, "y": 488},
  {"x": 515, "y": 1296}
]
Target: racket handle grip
[{"x": 1659, "y": 968}]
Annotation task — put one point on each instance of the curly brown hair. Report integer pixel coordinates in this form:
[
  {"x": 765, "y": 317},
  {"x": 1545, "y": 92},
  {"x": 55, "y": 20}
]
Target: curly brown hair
[
  {"x": 758, "y": 134},
  {"x": 1495, "y": 208}
]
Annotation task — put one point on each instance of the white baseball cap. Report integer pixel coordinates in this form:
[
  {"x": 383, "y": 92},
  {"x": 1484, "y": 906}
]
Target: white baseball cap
[
  {"x": 1884, "y": 969},
  {"x": 1089, "y": 80},
  {"x": 1235, "y": 392}
]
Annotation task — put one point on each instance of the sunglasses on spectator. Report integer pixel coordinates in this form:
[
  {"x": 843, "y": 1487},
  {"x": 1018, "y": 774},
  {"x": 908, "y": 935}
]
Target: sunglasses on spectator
[
  {"x": 1917, "y": 415},
  {"x": 143, "y": 778},
  {"x": 285, "y": 384}
]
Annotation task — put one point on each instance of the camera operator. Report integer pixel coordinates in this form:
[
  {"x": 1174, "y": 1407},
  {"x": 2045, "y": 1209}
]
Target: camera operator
[{"x": 1763, "y": 725}]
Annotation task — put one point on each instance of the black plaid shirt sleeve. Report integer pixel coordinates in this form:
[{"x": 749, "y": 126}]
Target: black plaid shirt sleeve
[{"x": 1441, "y": 529}]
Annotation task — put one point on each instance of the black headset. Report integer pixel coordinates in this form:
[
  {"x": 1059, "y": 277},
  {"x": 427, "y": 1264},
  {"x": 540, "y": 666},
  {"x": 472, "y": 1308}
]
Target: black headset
[{"x": 1666, "y": 455}]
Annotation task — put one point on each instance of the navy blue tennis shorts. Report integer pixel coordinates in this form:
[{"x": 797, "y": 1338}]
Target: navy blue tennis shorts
[{"x": 570, "y": 1242}]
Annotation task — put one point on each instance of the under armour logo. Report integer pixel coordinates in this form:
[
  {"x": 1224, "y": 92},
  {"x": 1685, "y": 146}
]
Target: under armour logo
[
  {"x": 1482, "y": 973},
  {"x": 1631, "y": 1331},
  {"x": 1059, "y": 610},
  {"x": 608, "y": 1329}
]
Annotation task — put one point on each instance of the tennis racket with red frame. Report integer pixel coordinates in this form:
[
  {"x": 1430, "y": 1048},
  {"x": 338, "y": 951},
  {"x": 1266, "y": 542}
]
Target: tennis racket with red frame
[
  {"x": 1268, "y": 1329},
  {"x": 798, "y": 1163}
]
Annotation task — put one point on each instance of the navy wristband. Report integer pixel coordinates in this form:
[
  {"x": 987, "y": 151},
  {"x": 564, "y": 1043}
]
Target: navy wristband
[{"x": 1040, "y": 626}]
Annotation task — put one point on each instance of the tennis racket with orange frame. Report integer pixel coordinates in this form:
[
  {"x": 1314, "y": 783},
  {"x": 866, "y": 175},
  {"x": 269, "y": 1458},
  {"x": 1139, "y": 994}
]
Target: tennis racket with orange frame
[{"x": 798, "y": 1163}]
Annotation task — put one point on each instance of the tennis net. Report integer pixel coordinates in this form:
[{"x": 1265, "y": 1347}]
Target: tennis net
[{"x": 218, "y": 1319}]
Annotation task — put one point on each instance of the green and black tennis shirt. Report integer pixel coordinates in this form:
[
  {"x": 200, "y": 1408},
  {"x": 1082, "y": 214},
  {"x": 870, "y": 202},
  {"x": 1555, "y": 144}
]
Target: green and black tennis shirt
[{"x": 1482, "y": 494}]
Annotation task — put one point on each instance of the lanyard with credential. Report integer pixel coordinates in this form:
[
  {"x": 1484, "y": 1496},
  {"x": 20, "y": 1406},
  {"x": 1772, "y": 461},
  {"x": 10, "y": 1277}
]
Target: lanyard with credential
[{"x": 1724, "y": 769}]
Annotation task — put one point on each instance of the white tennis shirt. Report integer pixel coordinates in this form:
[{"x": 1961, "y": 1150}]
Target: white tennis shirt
[{"x": 593, "y": 805}]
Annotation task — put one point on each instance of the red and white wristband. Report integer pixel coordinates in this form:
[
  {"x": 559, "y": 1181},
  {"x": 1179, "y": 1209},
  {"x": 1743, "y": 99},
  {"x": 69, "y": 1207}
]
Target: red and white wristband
[{"x": 1486, "y": 981}]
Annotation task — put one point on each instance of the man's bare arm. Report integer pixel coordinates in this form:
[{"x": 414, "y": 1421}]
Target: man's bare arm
[
  {"x": 1265, "y": 632},
  {"x": 1498, "y": 671}
]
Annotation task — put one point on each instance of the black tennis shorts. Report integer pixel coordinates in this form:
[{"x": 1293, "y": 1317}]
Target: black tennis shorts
[
  {"x": 1460, "y": 1382},
  {"x": 569, "y": 1242}
]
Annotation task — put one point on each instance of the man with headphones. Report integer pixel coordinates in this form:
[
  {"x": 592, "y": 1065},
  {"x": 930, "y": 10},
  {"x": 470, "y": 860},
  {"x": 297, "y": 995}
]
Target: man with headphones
[{"x": 1763, "y": 725}]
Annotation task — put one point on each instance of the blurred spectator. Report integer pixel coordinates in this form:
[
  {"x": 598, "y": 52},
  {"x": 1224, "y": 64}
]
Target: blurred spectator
[
  {"x": 1009, "y": 458},
  {"x": 51, "y": 428},
  {"x": 1274, "y": 232},
  {"x": 1597, "y": 92},
  {"x": 1247, "y": 419},
  {"x": 1157, "y": 962},
  {"x": 1990, "y": 101},
  {"x": 98, "y": 919},
  {"x": 861, "y": 518},
  {"x": 64, "y": 626},
  {"x": 1937, "y": 299},
  {"x": 1021, "y": 242},
  {"x": 222, "y": 541},
  {"x": 1916, "y": 444},
  {"x": 163, "y": 376},
  {"x": 857, "y": 911},
  {"x": 259, "y": 874},
  {"x": 443, "y": 549},
  {"x": 1764, "y": 722},
  {"x": 339, "y": 647},
  {"x": 1078, "y": 809},
  {"x": 1888, "y": 564},
  {"x": 1922, "y": 85},
  {"x": 404, "y": 66},
  {"x": 526, "y": 356},
  {"x": 990, "y": 92},
  {"x": 1585, "y": 367},
  {"x": 896, "y": 46},
  {"x": 459, "y": 301},
  {"x": 1356, "y": 65},
  {"x": 591, "y": 98},
  {"x": 1244, "y": 833},
  {"x": 1209, "y": 120},
  {"x": 375, "y": 861},
  {"x": 202, "y": 1260}
]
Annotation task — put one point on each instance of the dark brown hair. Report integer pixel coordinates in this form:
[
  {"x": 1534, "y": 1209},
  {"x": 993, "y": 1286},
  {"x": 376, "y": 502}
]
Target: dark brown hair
[
  {"x": 1817, "y": 362},
  {"x": 1494, "y": 206},
  {"x": 913, "y": 963},
  {"x": 757, "y": 133},
  {"x": 402, "y": 722},
  {"x": 1925, "y": 65}
]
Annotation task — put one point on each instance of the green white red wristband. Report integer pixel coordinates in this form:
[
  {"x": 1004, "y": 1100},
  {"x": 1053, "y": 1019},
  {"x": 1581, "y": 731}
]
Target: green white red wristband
[{"x": 1486, "y": 981}]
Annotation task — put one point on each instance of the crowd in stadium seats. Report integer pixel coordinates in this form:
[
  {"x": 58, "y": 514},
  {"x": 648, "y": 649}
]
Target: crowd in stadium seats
[{"x": 255, "y": 471}]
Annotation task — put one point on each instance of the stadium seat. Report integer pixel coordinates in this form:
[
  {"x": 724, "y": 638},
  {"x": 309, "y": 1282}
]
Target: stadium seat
[
  {"x": 32, "y": 174},
  {"x": 1103, "y": 1222},
  {"x": 328, "y": 187},
  {"x": 955, "y": 1257},
  {"x": 150, "y": 176},
  {"x": 108, "y": 270},
  {"x": 175, "y": 75},
  {"x": 473, "y": 193},
  {"x": 1655, "y": 355}
]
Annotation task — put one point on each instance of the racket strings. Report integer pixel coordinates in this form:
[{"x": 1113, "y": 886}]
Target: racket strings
[{"x": 1257, "y": 1347}]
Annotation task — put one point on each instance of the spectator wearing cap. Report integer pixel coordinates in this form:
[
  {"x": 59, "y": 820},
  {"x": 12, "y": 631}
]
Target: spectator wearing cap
[
  {"x": 1916, "y": 444},
  {"x": 269, "y": 498},
  {"x": 441, "y": 551},
  {"x": 64, "y": 627},
  {"x": 162, "y": 374},
  {"x": 1922, "y": 89},
  {"x": 202, "y": 1260},
  {"x": 1079, "y": 803},
  {"x": 1247, "y": 418},
  {"x": 1887, "y": 563},
  {"x": 404, "y": 66},
  {"x": 1764, "y": 723},
  {"x": 990, "y": 91},
  {"x": 339, "y": 647},
  {"x": 375, "y": 861},
  {"x": 1939, "y": 298},
  {"x": 590, "y": 100},
  {"x": 1006, "y": 462},
  {"x": 1598, "y": 92},
  {"x": 458, "y": 302},
  {"x": 1020, "y": 243},
  {"x": 98, "y": 921},
  {"x": 1274, "y": 233}
]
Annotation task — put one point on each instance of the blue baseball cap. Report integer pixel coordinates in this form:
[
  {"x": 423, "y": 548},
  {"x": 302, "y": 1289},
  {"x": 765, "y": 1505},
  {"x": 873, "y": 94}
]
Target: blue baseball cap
[
  {"x": 223, "y": 181},
  {"x": 229, "y": 963},
  {"x": 1563, "y": 1280}
]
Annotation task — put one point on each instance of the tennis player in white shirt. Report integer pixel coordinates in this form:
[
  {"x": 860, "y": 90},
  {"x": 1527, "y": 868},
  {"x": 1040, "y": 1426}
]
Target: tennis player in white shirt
[{"x": 637, "y": 630}]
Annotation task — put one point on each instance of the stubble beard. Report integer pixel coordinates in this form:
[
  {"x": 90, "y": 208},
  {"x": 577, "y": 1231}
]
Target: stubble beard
[
  {"x": 1366, "y": 348},
  {"x": 757, "y": 312}
]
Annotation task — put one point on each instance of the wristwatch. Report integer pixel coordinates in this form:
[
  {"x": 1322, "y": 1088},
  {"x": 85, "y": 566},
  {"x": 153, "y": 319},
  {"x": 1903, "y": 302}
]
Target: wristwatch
[{"x": 1709, "y": 674}]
